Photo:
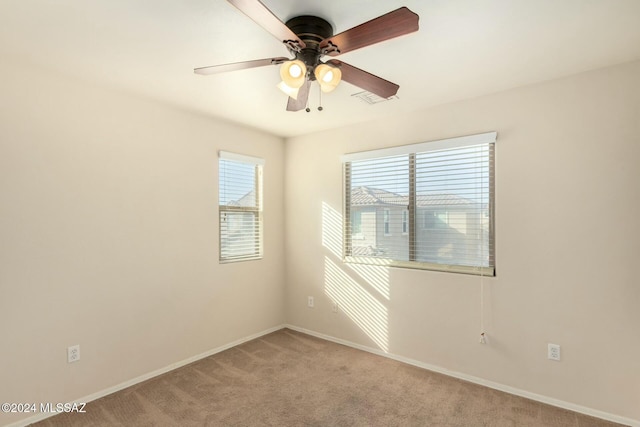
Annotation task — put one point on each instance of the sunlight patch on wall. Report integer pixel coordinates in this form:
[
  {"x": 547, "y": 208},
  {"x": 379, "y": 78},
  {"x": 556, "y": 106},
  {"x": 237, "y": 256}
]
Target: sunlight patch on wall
[
  {"x": 375, "y": 275},
  {"x": 360, "y": 306},
  {"x": 332, "y": 230}
]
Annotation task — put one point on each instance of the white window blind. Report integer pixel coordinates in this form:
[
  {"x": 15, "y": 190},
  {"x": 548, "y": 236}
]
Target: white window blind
[
  {"x": 427, "y": 205},
  {"x": 240, "y": 207}
]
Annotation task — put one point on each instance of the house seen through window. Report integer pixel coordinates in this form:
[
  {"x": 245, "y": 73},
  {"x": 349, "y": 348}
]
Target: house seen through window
[{"x": 426, "y": 205}]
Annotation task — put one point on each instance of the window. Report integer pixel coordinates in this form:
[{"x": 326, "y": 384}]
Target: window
[
  {"x": 240, "y": 207},
  {"x": 442, "y": 195},
  {"x": 405, "y": 222},
  {"x": 356, "y": 223},
  {"x": 387, "y": 214}
]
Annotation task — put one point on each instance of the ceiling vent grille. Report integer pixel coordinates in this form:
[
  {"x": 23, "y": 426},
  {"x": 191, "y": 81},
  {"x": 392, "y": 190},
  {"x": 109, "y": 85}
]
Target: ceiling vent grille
[{"x": 372, "y": 98}]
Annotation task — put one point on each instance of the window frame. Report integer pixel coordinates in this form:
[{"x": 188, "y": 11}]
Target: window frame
[
  {"x": 488, "y": 138},
  {"x": 256, "y": 211}
]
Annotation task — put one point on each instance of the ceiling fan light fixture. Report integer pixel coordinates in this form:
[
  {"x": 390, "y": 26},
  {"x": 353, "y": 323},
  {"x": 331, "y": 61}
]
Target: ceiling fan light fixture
[
  {"x": 328, "y": 77},
  {"x": 293, "y": 73},
  {"x": 288, "y": 90}
]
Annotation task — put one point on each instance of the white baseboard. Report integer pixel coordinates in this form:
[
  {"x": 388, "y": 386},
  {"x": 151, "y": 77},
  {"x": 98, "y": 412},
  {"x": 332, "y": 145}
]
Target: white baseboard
[
  {"x": 149, "y": 375},
  {"x": 476, "y": 380}
]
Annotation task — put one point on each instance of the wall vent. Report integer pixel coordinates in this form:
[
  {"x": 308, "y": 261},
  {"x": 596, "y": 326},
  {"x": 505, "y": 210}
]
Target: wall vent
[{"x": 372, "y": 98}]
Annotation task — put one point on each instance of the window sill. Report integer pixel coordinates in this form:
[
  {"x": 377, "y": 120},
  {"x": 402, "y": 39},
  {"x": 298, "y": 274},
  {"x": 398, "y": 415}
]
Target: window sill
[{"x": 461, "y": 269}]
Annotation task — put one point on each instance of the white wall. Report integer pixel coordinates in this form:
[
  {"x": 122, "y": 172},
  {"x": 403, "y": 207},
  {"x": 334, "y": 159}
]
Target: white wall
[
  {"x": 109, "y": 238},
  {"x": 567, "y": 236}
]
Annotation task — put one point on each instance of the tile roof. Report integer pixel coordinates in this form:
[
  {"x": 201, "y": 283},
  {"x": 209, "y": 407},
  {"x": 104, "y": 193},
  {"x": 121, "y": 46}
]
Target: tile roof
[
  {"x": 248, "y": 200},
  {"x": 368, "y": 196}
]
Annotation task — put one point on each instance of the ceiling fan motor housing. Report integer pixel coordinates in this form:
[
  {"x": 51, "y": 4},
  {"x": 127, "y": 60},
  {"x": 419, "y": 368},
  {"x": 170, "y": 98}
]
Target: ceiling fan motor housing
[{"x": 312, "y": 30}]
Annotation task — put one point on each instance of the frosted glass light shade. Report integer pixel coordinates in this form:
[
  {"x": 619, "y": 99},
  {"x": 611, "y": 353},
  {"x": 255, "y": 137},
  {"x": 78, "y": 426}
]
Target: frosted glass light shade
[
  {"x": 288, "y": 90},
  {"x": 293, "y": 73},
  {"x": 328, "y": 77}
]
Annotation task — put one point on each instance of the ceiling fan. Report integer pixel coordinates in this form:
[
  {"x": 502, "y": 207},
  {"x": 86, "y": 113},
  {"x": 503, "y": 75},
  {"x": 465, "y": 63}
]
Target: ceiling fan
[{"x": 309, "y": 39}]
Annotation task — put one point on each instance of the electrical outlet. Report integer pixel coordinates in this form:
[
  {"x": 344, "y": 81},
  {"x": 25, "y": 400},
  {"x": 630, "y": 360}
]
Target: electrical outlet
[
  {"x": 310, "y": 302},
  {"x": 73, "y": 353},
  {"x": 334, "y": 308},
  {"x": 553, "y": 352}
]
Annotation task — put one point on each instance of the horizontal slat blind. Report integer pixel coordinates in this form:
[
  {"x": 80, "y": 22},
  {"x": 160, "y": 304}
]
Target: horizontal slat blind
[
  {"x": 423, "y": 147},
  {"x": 379, "y": 200},
  {"x": 240, "y": 208},
  {"x": 430, "y": 209},
  {"x": 452, "y": 198},
  {"x": 243, "y": 158}
]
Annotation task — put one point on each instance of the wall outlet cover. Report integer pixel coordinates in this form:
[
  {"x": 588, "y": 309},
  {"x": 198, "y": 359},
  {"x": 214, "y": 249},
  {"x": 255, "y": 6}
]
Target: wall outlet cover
[
  {"x": 73, "y": 353},
  {"x": 553, "y": 352}
]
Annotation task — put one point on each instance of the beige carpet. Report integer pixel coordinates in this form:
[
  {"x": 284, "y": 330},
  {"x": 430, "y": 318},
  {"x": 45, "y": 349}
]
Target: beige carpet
[{"x": 291, "y": 379}]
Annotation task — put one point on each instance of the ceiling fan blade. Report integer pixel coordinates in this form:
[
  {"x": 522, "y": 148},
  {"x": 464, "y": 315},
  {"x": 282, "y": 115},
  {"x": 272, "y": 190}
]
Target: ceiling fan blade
[
  {"x": 303, "y": 96},
  {"x": 214, "y": 69},
  {"x": 262, "y": 16},
  {"x": 367, "y": 81},
  {"x": 393, "y": 24}
]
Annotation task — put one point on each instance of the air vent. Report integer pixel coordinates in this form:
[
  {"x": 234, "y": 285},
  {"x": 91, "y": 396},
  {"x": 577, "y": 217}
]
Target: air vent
[{"x": 372, "y": 98}]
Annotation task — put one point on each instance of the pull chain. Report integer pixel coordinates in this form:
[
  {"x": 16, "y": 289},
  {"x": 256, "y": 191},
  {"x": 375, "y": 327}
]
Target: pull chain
[{"x": 308, "y": 109}]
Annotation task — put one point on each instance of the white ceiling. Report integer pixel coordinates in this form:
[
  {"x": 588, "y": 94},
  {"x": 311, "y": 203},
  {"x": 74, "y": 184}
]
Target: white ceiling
[{"x": 464, "y": 48}]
